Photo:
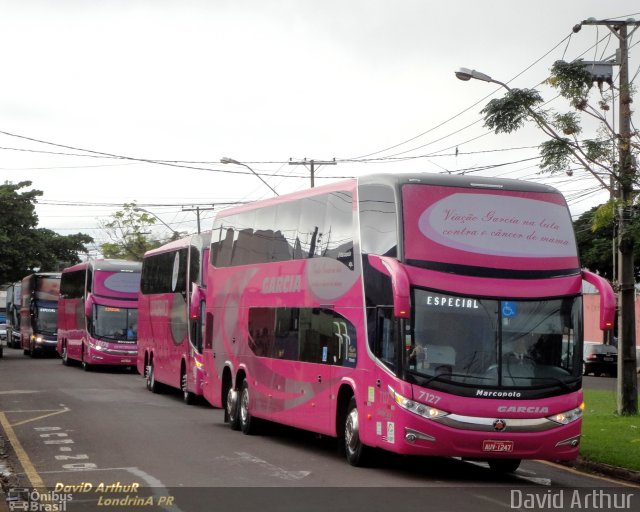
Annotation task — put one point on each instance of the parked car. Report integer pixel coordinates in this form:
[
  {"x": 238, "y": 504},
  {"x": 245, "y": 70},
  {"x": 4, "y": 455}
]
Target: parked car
[{"x": 599, "y": 358}]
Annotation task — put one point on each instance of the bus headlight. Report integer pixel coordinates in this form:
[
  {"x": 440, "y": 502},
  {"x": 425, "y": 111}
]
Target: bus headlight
[
  {"x": 564, "y": 418},
  {"x": 198, "y": 364},
  {"x": 426, "y": 411}
]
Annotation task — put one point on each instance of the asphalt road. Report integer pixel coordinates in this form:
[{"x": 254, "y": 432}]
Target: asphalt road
[{"x": 65, "y": 428}]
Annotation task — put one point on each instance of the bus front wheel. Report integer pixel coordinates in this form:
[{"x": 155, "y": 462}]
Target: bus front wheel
[
  {"x": 356, "y": 452},
  {"x": 188, "y": 397}
]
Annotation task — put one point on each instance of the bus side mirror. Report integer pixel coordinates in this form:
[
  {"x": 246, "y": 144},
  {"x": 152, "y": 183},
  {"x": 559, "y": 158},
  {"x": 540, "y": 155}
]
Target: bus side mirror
[
  {"x": 607, "y": 299},
  {"x": 88, "y": 305},
  {"x": 197, "y": 296},
  {"x": 399, "y": 283}
]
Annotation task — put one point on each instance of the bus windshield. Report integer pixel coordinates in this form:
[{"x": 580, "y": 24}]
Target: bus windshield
[
  {"x": 494, "y": 343},
  {"x": 116, "y": 324},
  {"x": 46, "y": 320}
]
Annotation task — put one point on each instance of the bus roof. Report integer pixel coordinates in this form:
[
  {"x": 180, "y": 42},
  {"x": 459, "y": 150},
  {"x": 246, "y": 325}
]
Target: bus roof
[
  {"x": 109, "y": 265},
  {"x": 456, "y": 180},
  {"x": 181, "y": 243},
  {"x": 399, "y": 179}
]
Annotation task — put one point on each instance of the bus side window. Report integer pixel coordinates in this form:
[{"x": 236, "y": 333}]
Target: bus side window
[
  {"x": 208, "y": 340},
  {"x": 382, "y": 339}
]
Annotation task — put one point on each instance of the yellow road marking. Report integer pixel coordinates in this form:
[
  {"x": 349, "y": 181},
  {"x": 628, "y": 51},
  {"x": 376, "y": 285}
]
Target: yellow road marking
[
  {"x": 40, "y": 417},
  {"x": 28, "y": 467}
]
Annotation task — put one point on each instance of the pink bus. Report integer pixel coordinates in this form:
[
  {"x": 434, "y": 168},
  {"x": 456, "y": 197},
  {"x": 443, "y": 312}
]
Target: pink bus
[
  {"x": 422, "y": 314},
  {"x": 39, "y": 293},
  {"x": 171, "y": 306},
  {"x": 98, "y": 313}
]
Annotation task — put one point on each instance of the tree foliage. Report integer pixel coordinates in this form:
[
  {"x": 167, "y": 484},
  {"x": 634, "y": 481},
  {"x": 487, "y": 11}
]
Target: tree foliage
[
  {"x": 565, "y": 149},
  {"x": 128, "y": 231},
  {"x": 509, "y": 113},
  {"x": 24, "y": 247}
]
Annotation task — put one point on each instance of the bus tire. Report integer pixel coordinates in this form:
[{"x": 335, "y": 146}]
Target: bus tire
[
  {"x": 85, "y": 365},
  {"x": 152, "y": 384},
  {"x": 247, "y": 422},
  {"x": 356, "y": 452},
  {"x": 188, "y": 397},
  {"x": 65, "y": 356},
  {"x": 232, "y": 409},
  {"x": 504, "y": 465}
]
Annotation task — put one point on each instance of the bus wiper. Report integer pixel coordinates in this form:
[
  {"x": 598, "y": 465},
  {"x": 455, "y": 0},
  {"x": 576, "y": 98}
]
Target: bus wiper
[
  {"x": 106, "y": 337},
  {"x": 438, "y": 376},
  {"x": 562, "y": 383}
]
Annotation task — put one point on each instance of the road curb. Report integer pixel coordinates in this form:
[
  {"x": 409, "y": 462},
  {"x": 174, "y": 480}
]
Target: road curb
[{"x": 590, "y": 466}]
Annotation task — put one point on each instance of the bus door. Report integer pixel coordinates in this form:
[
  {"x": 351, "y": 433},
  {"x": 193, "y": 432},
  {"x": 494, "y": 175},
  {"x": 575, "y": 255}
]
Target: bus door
[
  {"x": 387, "y": 344},
  {"x": 318, "y": 349}
]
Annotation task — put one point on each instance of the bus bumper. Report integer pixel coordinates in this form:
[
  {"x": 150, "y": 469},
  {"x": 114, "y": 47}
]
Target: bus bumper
[
  {"x": 112, "y": 357},
  {"x": 426, "y": 437}
]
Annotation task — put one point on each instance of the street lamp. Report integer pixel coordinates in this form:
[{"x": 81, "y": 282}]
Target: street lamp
[
  {"x": 225, "y": 160},
  {"x": 175, "y": 234},
  {"x": 466, "y": 74}
]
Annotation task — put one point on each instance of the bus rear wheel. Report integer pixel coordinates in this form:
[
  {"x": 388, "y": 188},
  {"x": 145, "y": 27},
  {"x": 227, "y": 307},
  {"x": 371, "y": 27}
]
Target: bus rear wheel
[
  {"x": 504, "y": 465},
  {"x": 231, "y": 410},
  {"x": 188, "y": 397},
  {"x": 152, "y": 383},
  {"x": 356, "y": 452},
  {"x": 65, "y": 356},
  {"x": 247, "y": 422}
]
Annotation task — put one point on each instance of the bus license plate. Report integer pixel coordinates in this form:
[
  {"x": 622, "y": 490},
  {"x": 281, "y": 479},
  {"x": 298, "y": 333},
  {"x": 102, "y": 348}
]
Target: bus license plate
[
  {"x": 497, "y": 446},
  {"x": 125, "y": 360}
]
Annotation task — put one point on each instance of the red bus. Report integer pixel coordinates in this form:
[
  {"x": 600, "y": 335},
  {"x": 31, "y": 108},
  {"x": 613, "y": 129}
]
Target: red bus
[
  {"x": 39, "y": 294},
  {"x": 98, "y": 313},
  {"x": 171, "y": 303},
  {"x": 422, "y": 314}
]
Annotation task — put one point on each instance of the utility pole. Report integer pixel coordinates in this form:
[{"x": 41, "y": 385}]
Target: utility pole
[
  {"x": 627, "y": 385},
  {"x": 197, "y": 209},
  {"x": 313, "y": 164}
]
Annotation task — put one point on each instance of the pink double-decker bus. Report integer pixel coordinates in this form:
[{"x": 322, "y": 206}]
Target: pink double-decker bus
[
  {"x": 172, "y": 304},
  {"x": 422, "y": 314},
  {"x": 98, "y": 313}
]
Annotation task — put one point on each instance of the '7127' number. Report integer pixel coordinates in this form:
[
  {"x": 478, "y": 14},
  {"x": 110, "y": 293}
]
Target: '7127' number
[{"x": 428, "y": 398}]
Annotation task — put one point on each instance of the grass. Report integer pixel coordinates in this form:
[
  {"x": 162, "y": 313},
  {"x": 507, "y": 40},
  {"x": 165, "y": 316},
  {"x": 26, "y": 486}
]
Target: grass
[{"x": 606, "y": 436}]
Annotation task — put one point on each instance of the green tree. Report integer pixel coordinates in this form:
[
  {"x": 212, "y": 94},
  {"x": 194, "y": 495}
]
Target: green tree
[
  {"x": 595, "y": 239},
  {"x": 607, "y": 156},
  {"x": 128, "y": 231},
  {"x": 24, "y": 247}
]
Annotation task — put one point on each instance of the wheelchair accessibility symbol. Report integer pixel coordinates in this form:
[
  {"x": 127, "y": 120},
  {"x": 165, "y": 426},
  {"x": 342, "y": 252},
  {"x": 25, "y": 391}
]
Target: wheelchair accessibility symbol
[{"x": 509, "y": 309}]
